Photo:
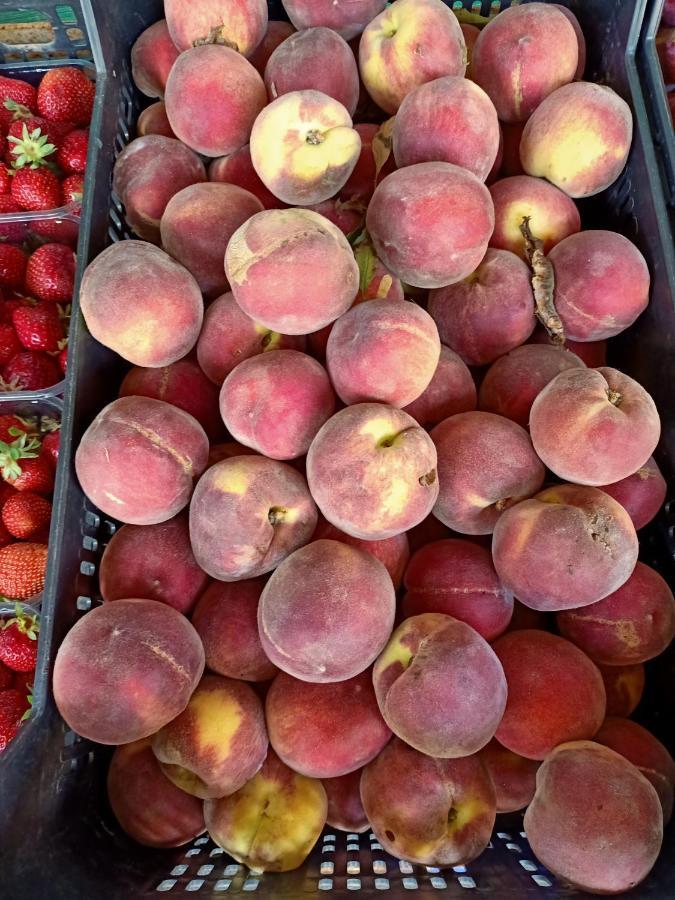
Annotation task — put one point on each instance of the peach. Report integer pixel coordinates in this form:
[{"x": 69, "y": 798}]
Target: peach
[
  {"x": 511, "y": 164},
  {"x": 348, "y": 19},
  {"x": 217, "y": 743},
  {"x": 524, "y": 618},
  {"x": 450, "y": 391},
  {"x": 276, "y": 403},
  {"x": 325, "y": 730},
  {"x": 448, "y": 120},
  {"x": 581, "y": 40},
  {"x": 303, "y": 147},
  {"x": 594, "y": 426},
  {"x": 624, "y": 686},
  {"x": 227, "y": 450},
  {"x": 361, "y": 183},
  {"x": 196, "y": 227},
  {"x": 552, "y": 215},
  {"x": 345, "y": 810},
  {"x": 229, "y": 336},
  {"x": 428, "y": 531},
  {"x": 237, "y": 168},
  {"x": 513, "y": 776},
  {"x": 436, "y": 812},
  {"x": 522, "y": 56},
  {"x": 394, "y": 461},
  {"x": 226, "y": 619},
  {"x": 567, "y": 547},
  {"x": 595, "y": 821},
  {"x": 601, "y": 284},
  {"x": 486, "y": 463},
  {"x": 489, "y": 312},
  {"x": 271, "y": 823},
  {"x": 430, "y": 223},
  {"x": 239, "y": 24},
  {"x": 148, "y": 807},
  {"x": 457, "y": 578},
  {"x": 152, "y": 55},
  {"x": 272, "y": 258},
  {"x": 470, "y": 33},
  {"x": 512, "y": 383},
  {"x": 182, "y": 384},
  {"x": 213, "y": 96},
  {"x": 665, "y": 48},
  {"x": 641, "y": 494},
  {"x": 439, "y": 686},
  {"x": 152, "y": 561},
  {"x": 385, "y": 351},
  {"x": 247, "y": 514},
  {"x": 125, "y": 670},
  {"x": 408, "y": 44},
  {"x": 312, "y": 621},
  {"x": 276, "y": 34},
  {"x": 316, "y": 59},
  {"x": 646, "y": 752},
  {"x": 138, "y": 460},
  {"x": 556, "y": 693},
  {"x": 592, "y": 353},
  {"x": 631, "y": 625},
  {"x": 392, "y": 552},
  {"x": 347, "y": 217},
  {"x": 579, "y": 114},
  {"x": 154, "y": 120},
  {"x": 146, "y": 175}
]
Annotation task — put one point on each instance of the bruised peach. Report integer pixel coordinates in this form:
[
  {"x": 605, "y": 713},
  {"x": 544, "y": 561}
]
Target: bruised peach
[
  {"x": 237, "y": 168},
  {"x": 624, "y": 686},
  {"x": 152, "y": 55},
  {"x": 154, "y": 120},
  {"x": 239, "y": 24},
  {"x": 345, "y": 810},
  {"x": 392, "y": 552},
  {"x": 450, "y": 391},
  {"x": 513, "y": 776},
  {"x": 348, "y": 19},
  {"x": 641, "y": 494}
]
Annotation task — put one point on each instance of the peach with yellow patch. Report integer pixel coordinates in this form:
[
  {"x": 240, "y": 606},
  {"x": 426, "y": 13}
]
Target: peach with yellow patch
[
  {"x": 239, "y": 24},
  {"x": 624, "y": 686},
  {"x": 273, "y": 821}
]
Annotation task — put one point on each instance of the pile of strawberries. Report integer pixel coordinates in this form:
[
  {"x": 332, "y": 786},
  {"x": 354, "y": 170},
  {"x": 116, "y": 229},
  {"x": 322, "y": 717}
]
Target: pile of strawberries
[{"x": 18, "y": 656}]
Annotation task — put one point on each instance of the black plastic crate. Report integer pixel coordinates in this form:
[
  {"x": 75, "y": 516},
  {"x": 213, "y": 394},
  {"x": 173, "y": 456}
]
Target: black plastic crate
[
  {"x": 59, "y": 840},
  {"x": 656, "y": 98}
]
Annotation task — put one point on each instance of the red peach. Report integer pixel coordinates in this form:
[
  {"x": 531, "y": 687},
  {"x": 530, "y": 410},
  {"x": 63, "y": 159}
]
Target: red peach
[
  {"x": 362, "y": 182},
  {"x": 450, "y": 391},
  {"x": 276, "y": 34},
  {"x": 470, "y": 33},
  {"x": 641, "y": 494},
  {"x": 237, "y": 168},
  {"x": 239, "y": 24},
  {"x": 513, "y": 776},
  {"x": 581, "y": 40},
  {"x": 154, "y": 120},
  {"x": 591, "y": 353},
  {"x": 345, "y": 810},
  {"x": 624, "y": 686},
  {"x": 152, "y": 55},
  {"x": 348, "y": 19},
  {"x": 392, "y": 552}
]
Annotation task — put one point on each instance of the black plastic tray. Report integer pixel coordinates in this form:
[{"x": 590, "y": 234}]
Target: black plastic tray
[{"x": 656, "y": 99}]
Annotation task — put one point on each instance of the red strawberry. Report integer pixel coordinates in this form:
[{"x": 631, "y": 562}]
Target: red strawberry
[
  {"x": 5, "y": 180},
  {"x": 33, "y": 142},
  {"x": 6, "y": 677},
  {"x": 50, "y": 274},
  {"x": 10, "y": 344},
  {"x": 13, "y": 706},
  {"x": 30, "y": 371},
  {"x": 50, "y": 447},
  {"x": 13, "y": 427},
  {"x": 72, "y": 188},
  {"x": 14, "y": 231},
  {"x": 66, "y": 95},
  {"x": 18, "y": 636},
  {"x": 36, "y": 189},
  {"x": 10, "y": 304},
  {"x": 37, "y": 476},
  {"x": 72, "y": 152},
  {"x": 63, "y": 359},
  {"x": 13, "y": 263},
  {"x": 23, "y": 682},
  {"x": 16, "y": 453},
  {"x": 26, "y": 516},
  {"x": 17, "y": 98},
  {"x": 39, "y": 327},
  {"x": 6, "y": 491}
]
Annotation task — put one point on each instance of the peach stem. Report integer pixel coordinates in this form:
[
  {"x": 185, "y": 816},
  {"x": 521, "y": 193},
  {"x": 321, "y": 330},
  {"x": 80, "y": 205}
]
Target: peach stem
[{"x": 543, "y": 284}]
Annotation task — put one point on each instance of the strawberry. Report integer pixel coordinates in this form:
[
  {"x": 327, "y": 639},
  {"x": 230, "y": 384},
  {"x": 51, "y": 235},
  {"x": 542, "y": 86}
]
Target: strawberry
[
  {"x": 23, "y": 682},
  {"x": 22, "y": 573},
  {"x": 36, "y": 189},
  {"x": 72, "y": 152},
  {"x": 10, "y": 344},
  {"x": 13, "y": 263},
  {"x": 14, "y": 231},
  {"x": 10, "y": 304},
  {"x": 26, "y": 516},
  {"x": 5, "y": 180},
  {"x": 6, "y": 677},
  {"x": 17, "y": 99},
  {"x": 6, "y": 491},
  {"x": 66, "y": 95},
  {"x": 72, "y": 188},
  {"x": 50, "y": 447},
  {"x": 50, "y": 274},
  {"x": 18, "y": 636},
  {"x": 13, "y": 427},
  {"x": 31, "y": 370},
  {"x": 13, "y": 705},
  {"x": 38, "y": 327},
  {"x": 63, "y": 359},
  {"x": 29, "y": 143},
  {"x": 36, "y": 475},
  {"x": 16, "y": 453}
]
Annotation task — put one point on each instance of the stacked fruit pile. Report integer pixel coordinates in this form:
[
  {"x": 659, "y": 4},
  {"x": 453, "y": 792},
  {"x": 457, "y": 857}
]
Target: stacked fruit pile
[{"x": 365, "y": 292}]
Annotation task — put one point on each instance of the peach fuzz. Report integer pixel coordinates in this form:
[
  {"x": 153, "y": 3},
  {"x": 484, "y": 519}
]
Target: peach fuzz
[
  {"x": 567, "y": 547},
  {"x": 155, "y": 562},
  {"x": 594, "y": 426},
  {"x": 152, "y": 55},
  {"x": 641, "y": 494},
  {"x": 408, "y": 44},
  {"x": 239, "y": 24},
  {"x": 325, "y": 730},
  {"x": 555, "y": 693},
  {"x": 303, "y": 147},
  {"x": 276, "y": 403},
  {"x": 345, "y": 810},
  {"x": 436, "y": 812},
  {"x": 217, "y": 743},
  {"x": 315, "y": 59},
  {"x": 348, "y": 19},
  {"x": 624, "y": 686},
  {"x": 430, "y": 223},
  {"x": 450, "y": 391},
  {"x": 272, "y": 823},
  {"x": 365, "y": 177},
  {"x": 213, "y": 96},
  {"x": 595, "y": 821},
  {"x": 457, "y": 578},
  {"x": 154, "y": 120},
  {"x": 513, "y": 776},
  {"x": 196, "y": 227},
  {"x": 631, "y": 625},
  {"x": 396, "y": 464},
  {"x": 247, "y": 514},
  {"x": 139, "y": 458},
  {"x": 392, "y": 552},
  {"x": 276, "y": 34},
  {"x": 148, "y": 807},
  {"x": 486, "y": 463},
  {"x": 489, "y": 312},
  {"x": 513, "y": 382},
  {"x": 385, "y": 351},
  {"x": 601, "y": 284},
  {"x": 125, "y": 670},
  {"x": 237, "y": 168},
  {"x": 312, "y": 622},
  {"x": 146, "y": 175},
  {"x": 272, "y": 258},
  {"x": 579, "y": 114},
  {"x": 553, "y": 215},
  {"x": 229, "y": 336},
  {"x": 439, "y": 686},
  {"x": 449, "y": 120},
  {"x": 182, "y": 384}
]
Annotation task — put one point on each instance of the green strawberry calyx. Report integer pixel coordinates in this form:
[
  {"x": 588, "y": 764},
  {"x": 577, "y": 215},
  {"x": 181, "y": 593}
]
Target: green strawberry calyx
[
  {"x": 24, "y": 447},
  {"x": 29, "y": 698},
  {"x": 18, "y": 109},
  {"x": 26, "y": 623},
  {"x": 31, "y": 149}
]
